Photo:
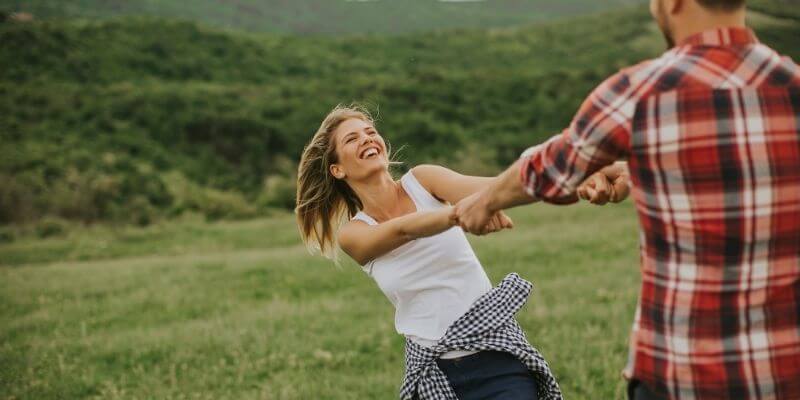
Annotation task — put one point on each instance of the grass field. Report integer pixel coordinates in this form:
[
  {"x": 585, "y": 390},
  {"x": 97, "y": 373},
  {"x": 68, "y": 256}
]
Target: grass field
[
  {"x": 239, "y": 310},
  {"x": 327, "y": 16}
]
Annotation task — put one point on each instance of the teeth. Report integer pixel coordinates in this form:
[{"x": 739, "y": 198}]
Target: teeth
[{"x": 370, "y": 152}]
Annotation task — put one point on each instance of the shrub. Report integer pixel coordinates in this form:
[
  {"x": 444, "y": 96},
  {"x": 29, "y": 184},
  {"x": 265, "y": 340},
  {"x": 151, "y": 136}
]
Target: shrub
[
  {"x": 16, "y": 201},
  {"x": 140, "y": 212},
  {"x": 51, "y": 226},
  {"x": 214, "y": 204},
  {"x": 7, "y": 234},
  {"x": 278, "y": 191}
]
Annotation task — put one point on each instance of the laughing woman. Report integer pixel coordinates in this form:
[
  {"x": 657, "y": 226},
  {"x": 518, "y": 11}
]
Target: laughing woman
[{"x": 462, "y": 340}]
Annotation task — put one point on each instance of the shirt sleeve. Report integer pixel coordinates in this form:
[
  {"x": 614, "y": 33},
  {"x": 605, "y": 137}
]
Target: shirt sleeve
[{"x": 598, "y": 136}]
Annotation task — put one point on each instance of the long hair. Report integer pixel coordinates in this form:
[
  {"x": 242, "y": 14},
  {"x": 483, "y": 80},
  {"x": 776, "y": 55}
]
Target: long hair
[{"x": 324, "y": 203}]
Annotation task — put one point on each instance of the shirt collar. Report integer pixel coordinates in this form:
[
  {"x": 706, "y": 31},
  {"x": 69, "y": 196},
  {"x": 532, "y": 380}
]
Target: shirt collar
[{"x": 730, "y": 36}]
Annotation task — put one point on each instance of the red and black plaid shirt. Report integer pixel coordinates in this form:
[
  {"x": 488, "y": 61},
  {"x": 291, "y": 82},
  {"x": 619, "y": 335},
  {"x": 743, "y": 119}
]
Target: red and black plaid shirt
[{"x": 711, "y": 132}]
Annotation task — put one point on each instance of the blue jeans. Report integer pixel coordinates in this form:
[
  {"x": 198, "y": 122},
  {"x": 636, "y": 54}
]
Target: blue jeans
[{"x": 489, "y": 375}]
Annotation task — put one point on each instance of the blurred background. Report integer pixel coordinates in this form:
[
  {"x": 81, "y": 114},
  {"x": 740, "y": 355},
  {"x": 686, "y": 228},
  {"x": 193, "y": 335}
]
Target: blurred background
[
  {"x": 137, "y": 111},
  {"x": 148, "y": 151}
]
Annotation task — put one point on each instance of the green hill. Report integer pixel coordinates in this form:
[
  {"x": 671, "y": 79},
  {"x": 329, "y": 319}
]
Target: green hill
[
  {"x": 327, "y": 16},
  {"x": 133, "y": 119}
]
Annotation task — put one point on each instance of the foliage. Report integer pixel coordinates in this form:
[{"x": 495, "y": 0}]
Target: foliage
[
  {"x": 50, "y": 227},
  {"x": 779, "y": 8},
  {"x": 99, "y": 114},
  {"x": 215, "y": 204},
  {"x": 325, "y": 16},
  {"x": 7, "y": 234},
  {"x": 278, "y": 192}
]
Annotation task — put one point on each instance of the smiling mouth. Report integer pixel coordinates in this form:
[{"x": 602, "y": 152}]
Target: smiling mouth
[{"x": 371, "y": 152}]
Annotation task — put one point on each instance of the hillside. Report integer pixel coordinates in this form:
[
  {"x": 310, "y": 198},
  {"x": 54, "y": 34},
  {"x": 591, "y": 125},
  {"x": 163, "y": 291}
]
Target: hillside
[
  {"x": 137, "y": 118},
  {"x": 326, "y": 16}
]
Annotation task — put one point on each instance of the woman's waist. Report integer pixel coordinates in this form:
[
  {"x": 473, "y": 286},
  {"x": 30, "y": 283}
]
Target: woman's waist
[
  {"x": 427, "y": 314},
  {"x": 429, "y": 321},
  {"x": 429, "y": 343}
]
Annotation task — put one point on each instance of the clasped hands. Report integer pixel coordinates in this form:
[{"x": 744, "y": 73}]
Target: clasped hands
[{"x": 473, "y": 214}]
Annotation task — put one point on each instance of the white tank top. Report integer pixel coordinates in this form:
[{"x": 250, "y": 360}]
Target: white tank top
[{"x": 430, "y": 281}]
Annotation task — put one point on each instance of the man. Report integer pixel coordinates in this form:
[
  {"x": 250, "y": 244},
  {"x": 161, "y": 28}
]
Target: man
[{"x": 711, "y": 132}]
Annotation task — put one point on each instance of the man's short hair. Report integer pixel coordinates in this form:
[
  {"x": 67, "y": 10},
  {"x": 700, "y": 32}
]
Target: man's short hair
[{"x": 722, "y": 5}]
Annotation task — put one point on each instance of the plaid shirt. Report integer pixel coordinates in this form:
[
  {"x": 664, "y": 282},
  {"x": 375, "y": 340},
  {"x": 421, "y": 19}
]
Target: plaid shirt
[
  {"x": 488, "y": 325},
  {"x": 711, "y": 131}
]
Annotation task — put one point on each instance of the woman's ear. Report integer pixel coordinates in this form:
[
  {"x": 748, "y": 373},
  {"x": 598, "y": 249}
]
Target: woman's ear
[{"x": 337, "y": 171}]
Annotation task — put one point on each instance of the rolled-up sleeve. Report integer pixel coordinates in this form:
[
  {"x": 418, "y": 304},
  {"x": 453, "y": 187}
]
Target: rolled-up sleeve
[{"x": 598, "y": 136}]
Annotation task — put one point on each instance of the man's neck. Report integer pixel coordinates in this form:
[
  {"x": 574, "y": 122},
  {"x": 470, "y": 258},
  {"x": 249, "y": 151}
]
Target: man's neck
[{"x": 704, "y": 20}]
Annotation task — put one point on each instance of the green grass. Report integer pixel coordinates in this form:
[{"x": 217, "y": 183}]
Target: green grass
[
  {"x": 239, "y": 310},
  {"x": 327, "y": 16}
]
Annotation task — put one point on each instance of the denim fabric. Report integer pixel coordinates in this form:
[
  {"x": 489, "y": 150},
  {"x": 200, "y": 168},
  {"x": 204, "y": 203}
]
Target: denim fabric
[{"x": 489, "y": 375}]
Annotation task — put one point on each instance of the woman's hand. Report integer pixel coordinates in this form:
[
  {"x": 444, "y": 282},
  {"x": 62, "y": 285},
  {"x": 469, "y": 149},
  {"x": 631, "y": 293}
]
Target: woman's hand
[{"x": 597, "y": 189}]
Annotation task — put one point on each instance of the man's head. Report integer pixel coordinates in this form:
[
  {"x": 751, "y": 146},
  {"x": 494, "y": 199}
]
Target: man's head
[{"x": 676, "y": 18}]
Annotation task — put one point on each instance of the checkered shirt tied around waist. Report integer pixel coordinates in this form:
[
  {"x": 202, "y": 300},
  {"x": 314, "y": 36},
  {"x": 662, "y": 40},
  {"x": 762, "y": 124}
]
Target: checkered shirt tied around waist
[
  {"x": 711, "y": 132},
  {"x": 488, "y": 325}
]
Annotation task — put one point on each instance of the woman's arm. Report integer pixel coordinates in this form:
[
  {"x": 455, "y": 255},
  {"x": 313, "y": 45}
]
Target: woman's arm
[
  {"x": 611, "y": 183},
  {"x": 448, "y": 185},
  {"x": 364, "y": 242}
]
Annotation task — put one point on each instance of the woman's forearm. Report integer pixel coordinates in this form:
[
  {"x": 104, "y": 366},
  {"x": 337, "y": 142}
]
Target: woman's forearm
[
  {"x": 364, "y": 243},
  {"x": 424, "y": 223}
]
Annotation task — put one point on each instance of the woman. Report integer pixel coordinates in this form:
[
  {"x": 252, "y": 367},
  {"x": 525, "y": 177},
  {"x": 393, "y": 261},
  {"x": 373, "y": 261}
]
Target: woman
[{"x": 461, "y": 336}]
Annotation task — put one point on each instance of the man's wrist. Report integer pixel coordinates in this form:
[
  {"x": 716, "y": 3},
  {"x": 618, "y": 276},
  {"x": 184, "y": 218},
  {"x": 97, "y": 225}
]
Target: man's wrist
[
  {"x": 489, "y": 200},
  {"x": 508, "y": 191}
]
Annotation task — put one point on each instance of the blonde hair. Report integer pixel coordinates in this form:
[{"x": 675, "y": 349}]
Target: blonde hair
[{"x": 324, "y": 203}]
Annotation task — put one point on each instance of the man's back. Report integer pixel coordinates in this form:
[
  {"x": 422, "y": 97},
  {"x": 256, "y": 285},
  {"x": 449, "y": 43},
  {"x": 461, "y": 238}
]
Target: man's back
[
  {"x": 711, "y": 131},
  {"x": 714, "y": 154}
]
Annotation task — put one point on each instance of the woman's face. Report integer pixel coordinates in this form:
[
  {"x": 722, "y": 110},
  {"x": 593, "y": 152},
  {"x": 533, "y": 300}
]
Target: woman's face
[{"x": 360, "y": 150}]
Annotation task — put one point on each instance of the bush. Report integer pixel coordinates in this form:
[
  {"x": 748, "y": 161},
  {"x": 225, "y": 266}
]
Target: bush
[
  {"x": 76, "y": 196},
  {"x": 140, "y": 212},
  {"x": 51, "y": 226},
  {"x": 7, "y": 234},
  {"x": 214, "y": 204},
  {"x": 278, "y": 191},
  {"x": 16, "y": 201},
  {"x": 217, "y": 204}
]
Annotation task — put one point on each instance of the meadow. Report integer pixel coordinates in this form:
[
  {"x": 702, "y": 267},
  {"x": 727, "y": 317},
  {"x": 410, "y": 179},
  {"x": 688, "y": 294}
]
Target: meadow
[
  {"x": 326, "y": 17},
  {"x": 240, "y": 310}
]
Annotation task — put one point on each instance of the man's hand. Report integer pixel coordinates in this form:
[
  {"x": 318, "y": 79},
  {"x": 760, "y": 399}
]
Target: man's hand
[
  {"x": 474, "y": 214},
  {"x": 597, "y": 189},
  {"x": 611, "y": 183}
]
